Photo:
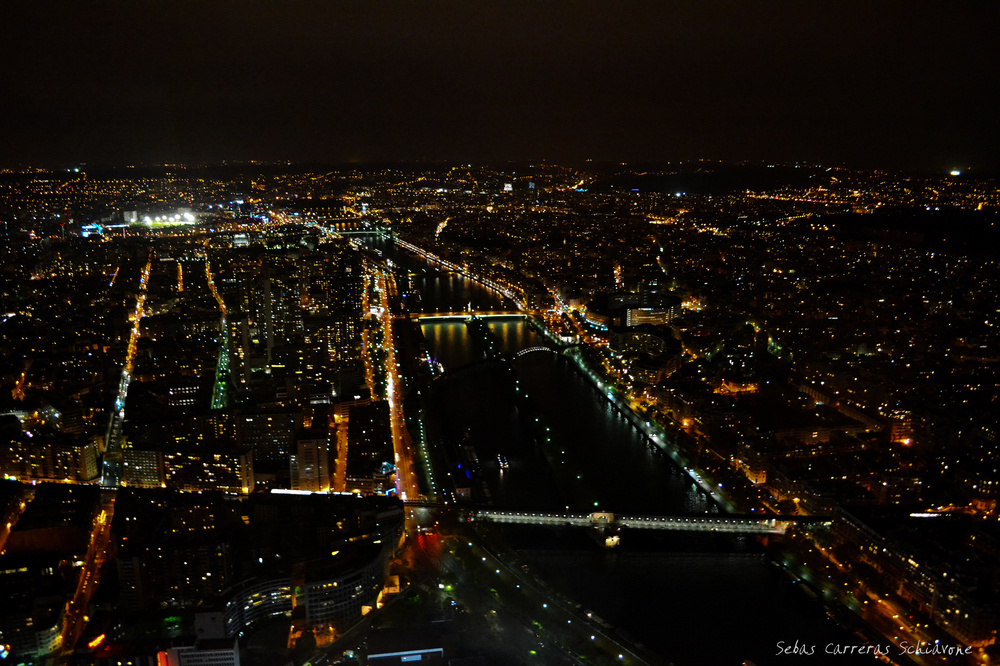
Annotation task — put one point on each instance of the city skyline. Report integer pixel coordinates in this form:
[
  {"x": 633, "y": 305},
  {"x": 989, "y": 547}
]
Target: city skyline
[{"x": 255, "y": 413}]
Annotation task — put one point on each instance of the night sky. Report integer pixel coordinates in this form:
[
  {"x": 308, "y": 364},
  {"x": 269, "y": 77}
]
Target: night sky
[{"x": 886, "y": 84}]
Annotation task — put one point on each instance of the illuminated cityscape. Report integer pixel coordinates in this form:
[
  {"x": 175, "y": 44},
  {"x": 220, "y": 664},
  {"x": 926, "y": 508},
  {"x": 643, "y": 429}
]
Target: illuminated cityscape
[
  {"x": 295, "y": 421},
  {"x": 499, "y": 333}
]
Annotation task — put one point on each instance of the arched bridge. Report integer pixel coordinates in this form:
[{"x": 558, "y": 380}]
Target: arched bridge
[{"x": 535, "y": 349}]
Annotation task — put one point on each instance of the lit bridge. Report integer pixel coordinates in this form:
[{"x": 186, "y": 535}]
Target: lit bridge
[
  {"x": 467, "y": 314},
  {"x": 535, "y": 349},
  {"x": 733, "y": 523}
]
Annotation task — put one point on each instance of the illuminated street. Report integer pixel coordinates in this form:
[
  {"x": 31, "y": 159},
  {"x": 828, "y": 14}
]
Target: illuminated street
[
  {"x": 406, "y": 478},
  {"x": 112, "y": 469},
  {"x": 74, "y": 618}
]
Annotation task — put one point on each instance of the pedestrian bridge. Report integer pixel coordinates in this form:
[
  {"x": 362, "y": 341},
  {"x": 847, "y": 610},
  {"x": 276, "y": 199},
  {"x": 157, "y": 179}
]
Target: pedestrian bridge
[{"x": 733, "y": 523}]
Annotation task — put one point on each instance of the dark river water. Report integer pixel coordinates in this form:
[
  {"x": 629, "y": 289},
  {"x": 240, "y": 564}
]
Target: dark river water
[{"x": 694, "y": 599}]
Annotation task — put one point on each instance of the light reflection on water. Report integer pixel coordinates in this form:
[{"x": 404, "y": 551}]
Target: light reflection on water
[{"x": 712, "y": 607}]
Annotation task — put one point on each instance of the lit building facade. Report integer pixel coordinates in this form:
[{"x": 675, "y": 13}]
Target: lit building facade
[{"x": 70, "y": 461}]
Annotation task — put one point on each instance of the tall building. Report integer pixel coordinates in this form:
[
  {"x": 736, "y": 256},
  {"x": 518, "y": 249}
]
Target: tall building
[
  {"x": 229, "y": 471},
  {"x": 143, "y": 469},
  {"x": 238, "y": 330},
  {"x": 212, "y": 652},
  {"x": 370, "y": 454},
  {"x": 65, "y": 461},
  {"x": 336, "y": 592},
  {"x": 270, "y": 435},
  {"x": 310, "y": 466},
  {"x": 901, "y": 426}
]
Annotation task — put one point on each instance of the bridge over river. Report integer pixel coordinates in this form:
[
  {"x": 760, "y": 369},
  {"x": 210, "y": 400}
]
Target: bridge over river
[
  {"x": 726, "y": 522},
  {"x": 736, "y": 523},
  {"x": 446, "y": 316}
]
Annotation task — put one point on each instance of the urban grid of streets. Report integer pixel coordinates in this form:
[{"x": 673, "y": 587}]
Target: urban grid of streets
[
  {"x": 472, "y": 585},
  {"x": 550, "y": 626}
]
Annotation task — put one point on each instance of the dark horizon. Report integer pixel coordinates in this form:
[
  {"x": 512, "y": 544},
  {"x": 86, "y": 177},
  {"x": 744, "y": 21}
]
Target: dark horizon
[
  {"x": 524, "y": 168},
  {"x": 889, "y": 85}
]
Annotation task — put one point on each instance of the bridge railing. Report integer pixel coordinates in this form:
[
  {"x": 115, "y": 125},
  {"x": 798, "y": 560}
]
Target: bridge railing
[{"x": 708, "y": 523}]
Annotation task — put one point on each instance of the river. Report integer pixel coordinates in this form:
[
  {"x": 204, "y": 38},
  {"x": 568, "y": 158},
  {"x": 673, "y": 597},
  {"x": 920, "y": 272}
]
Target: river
[{"x": 695, "y": 599}]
